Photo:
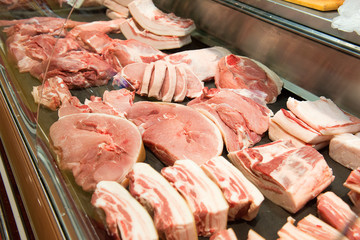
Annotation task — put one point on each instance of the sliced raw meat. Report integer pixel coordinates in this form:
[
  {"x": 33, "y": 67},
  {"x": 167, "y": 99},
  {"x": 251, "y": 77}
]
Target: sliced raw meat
[
  {"x": 154, "y": 20},
  {"x": 319, "y": 229},
  {"x": 172, "y": 216},
  {"x": 290, "y": 232},
  {"x": 252, "y": 235},
  {"x": 345, "y": 149},
  {"x": 226, "y": 234},
  {"x": 243, "y": 197},
  {"x": 181, "y": 84},
  {"x": 240, "y": 119},
  {"x": 203, "y": 196},
  {"x": 131, "y": 30},
  {"x": 203, "y": 62},
  {"x": 286, "y": 175},
  {"x": 148, "y": 74},
  {"x": 169, "y": 85},
  {"x": 157, "y": 79},
  {"x": 353, "y": 180},
  {"x": 96, "y": 147},
  {"x": 134, "y": 73},
  {"x": 121, "y": 100},
  {"x": 241, "y": 72},
  {"x": 174, "y": 131},
  {"x": 334, "y": 211},
  {"x": 125, "y": 217},
  {"x": 324, "y": 116}
]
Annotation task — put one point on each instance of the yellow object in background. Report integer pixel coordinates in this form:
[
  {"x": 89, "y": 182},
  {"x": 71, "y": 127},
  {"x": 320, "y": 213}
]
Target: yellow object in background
[{"x": 322, "y": 5}]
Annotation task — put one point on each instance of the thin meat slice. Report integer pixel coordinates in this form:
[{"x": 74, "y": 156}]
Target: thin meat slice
[
  {"x": 225, "y": 234},
  {"x": 157, "y": 79},
  {"x": 132, "y": 30},
  {"x": 324, "y": 116},
  {"x": 237, "y": 72},
  {"x": 96, "y": 147},
  {"x": 148, "y": 74},
  {"x": 243, "y": 197},
  {"x": 203, "y": 196},
  {"x": 181, "y": 84},
  {"x": 154, "y": 20},
  {"x": 334, "y": 211},
  {"x": 174, "y": 131},
  {"x": 172, "y": 216},
  {"x": 134, "y": 73},
  {"x": 125, "y": 217},
  {"x": 169, "y": 85},
  {"x": 290, "y": 232},
  {"x": 345, "y": 149},
  {"x": 286, "y": 175}
]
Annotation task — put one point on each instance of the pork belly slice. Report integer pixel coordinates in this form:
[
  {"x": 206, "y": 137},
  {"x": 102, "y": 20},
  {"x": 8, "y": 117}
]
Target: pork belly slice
[
  {"x": 181, "y": 84},
  {"x": 133, "y": 73},
  {"x": 169, "y": 85},
  {"x": 172, "y": 216},
  {"x": 276, "y": 133},
  {"x": 252, "y": 235},
  {"x": 146, "y": 79},
  {"x": 126, "y": 218},
  {"x": 238, "y": 72},
  {"x": 319, "y": 229},
  {"x": 174, "y": 131},
  {"x": 203, "y": 62},
  {"x": 290, "y": 232},
  {"x": 334, "y": 211},
  {"x": 154, "y": 20},
  {"x": 157, "y": 79},
  {"x": 225, "y": 234},
  {"x": 345, "y": 149},
  {"x": 96, "y": 147},
  {"x": 324, "y": 116},
  {"x": 132, "y": 30},
  {"x": 243, "y": 197},
  {"x": 203, "y": 196},
  {"x": 286, "y": 175}
]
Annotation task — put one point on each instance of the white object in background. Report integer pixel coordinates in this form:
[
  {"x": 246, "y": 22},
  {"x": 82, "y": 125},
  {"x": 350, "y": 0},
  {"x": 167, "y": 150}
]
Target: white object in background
[{"x": 349, "y": 17}]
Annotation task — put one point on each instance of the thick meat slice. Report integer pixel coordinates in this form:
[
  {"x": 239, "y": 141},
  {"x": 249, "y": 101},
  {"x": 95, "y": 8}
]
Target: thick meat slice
[
  {"x": 334, "y": 211},
  {"x": 290, "y": 232},
  {"x": 286, "y": 175},
  {"x": 157, "y": 79},
  {"x": 174, "y": 131},
  {"x": 154, "y": 20},
  {"x": 241, "y": 72},
  {"x": 131, "y": 30},
  {"x": 96, "y": 147},
  {"x": 172, "y": 216},
  {"x": 324, "y": 116},
  {"x": 125, "y": 217},
  {"x": 169, "y": 85},
  {"x": 134, "y": 73},
  {"x": 226, "y": 234},
  {"x": 181, "y": 84},
  {"x": 345, "y": 149},
  {"x": 319, "y": 229},
  {"x": 243, "y": 197},
  {"x": 203, "y": 62},
  {"x": 205, "y": 199}
]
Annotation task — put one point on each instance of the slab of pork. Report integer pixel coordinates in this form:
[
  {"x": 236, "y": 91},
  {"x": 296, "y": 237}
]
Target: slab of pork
[
  {"x": 345, "y": 149},
  {"x": 203, "y": 196},
  {"x": 125, "y": 217},
  {"x": 172, "y": 216}
]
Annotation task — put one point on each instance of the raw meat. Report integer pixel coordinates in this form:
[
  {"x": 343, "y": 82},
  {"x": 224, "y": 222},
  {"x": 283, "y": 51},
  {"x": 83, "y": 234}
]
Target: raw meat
[
  {"x": 203, "y": 62},
  {"x": 345, "y": 149},
  {"x": 134, "y": 73},
  {"x": 133, "y": 31},
  {"x": 241, "y": 72},
  {"x": 125, "y": 217},
  {"x": 319, "y": 229},
  {"x": 241, "y": 120},
  {"x": 334, "y": 211},
  {"x": 174, "y": 131},
  {"x": 203, "y": 196},
  {"x": 286, "y": 175},
  {"x": 172, "y": 216},
  {"x": 168, "y": 88},
  {"x": 243, "y": 197},
  {"x": 290, "y": 232},
  {"x": 252, "y": 235},
  {"x": 96, "y": 147},
  {"x": 157, "y": 79},
  {"x": 324, "y": 116},
  {"x": 226, "y": 234},
  {"x": 154, "y": 20}
]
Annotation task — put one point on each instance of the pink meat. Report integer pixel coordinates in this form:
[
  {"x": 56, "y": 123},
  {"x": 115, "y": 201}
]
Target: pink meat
[
  {"x": 203, "y": 196},
  {"x": 243, "y": 197},
  {"x": 238, "y": 72},
  {"x": 172, "y": 216},
  {"x": 134, "y": 73},
  {"x": 174, "y": 131},
  {"x": 169, "y": 85},
  {"x": 157, "y": 79},
  {"x": 181, "y": 84},
  {"x": 225, "y": 234},
  {"x": 125, "y": 217},
  {"x": 96, "y": 147}
]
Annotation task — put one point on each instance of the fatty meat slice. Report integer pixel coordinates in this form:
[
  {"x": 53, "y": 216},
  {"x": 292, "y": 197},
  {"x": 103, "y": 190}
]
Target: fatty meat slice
[
  {"x": 203, "y": 196},
  {"x": 154, "y": 20},
  {"x": 126, "y": 218},
  {"x": 225, "y": 234},
  {"x": 345, "y": 149},
  {"x": 172, "y": 216},
  {"x": 324, "y": 116},
  {"x": 174, "y": 131},
  {"x": 169, "y": 85},
  {"x": 96, "y": 147},
  {"x": 286, "y": 175},
  {"x": 243, "y": 197}
]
